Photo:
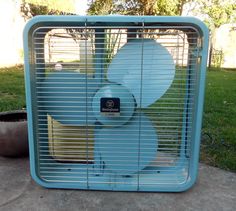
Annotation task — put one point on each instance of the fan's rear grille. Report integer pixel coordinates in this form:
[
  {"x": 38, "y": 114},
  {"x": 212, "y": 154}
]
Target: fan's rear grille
[{"x": 71, "y": 146}]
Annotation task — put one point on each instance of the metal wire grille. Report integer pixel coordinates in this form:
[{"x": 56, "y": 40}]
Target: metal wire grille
[{"x": 143, "y": 145}]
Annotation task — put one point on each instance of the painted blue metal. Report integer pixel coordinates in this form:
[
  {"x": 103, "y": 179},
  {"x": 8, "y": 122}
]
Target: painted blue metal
[
  {"x": 96, "y": 179},
  {"x": 99, "y": 54}
]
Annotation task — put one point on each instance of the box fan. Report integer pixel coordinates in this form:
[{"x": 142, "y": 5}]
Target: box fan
[{"x": 115, "y": 102}]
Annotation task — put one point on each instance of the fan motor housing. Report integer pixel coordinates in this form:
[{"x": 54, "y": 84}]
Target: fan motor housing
[{"x": 115, "y": 102}]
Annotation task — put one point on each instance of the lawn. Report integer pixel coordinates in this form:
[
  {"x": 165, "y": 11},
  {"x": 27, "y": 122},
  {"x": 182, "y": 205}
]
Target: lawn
[
  {"x": 12, "y": 90},
  {"x": 219, "y": 124}
]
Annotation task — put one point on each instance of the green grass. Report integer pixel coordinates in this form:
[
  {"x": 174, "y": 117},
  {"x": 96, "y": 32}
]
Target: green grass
[
  {"x": 12, "y": 90},
  {"x": 219, "y": 123}
]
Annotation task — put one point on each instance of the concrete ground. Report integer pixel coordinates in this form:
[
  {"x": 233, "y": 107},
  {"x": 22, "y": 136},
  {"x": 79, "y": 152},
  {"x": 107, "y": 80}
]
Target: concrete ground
[{"x": 215, "y": 190}]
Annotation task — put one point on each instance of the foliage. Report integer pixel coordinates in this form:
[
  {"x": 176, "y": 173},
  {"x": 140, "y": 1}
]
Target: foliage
[
  {"x": 101, "y": 7},
  {"x": 137, "y": 7},
  {"x": 170, "y": 7},
  {"x": 218, "y": 12},
  {"x": 60, "y": 5},
  {"x": 215, "y": 12},
  {"x": 217, "y": 58},
  {"x": 30, "y": 8}
]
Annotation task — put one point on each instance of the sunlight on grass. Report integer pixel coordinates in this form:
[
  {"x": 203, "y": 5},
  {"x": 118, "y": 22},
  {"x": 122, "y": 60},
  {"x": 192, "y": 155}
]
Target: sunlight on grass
[
  {"x": 219, "y": 122},
  {"x": 12, "y": 90}
]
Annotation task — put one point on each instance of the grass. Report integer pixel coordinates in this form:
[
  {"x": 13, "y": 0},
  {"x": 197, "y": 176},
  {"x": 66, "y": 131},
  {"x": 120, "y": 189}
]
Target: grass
[
  {"x": 12, "y": 90},
  {"x": 219, "y": 123}
]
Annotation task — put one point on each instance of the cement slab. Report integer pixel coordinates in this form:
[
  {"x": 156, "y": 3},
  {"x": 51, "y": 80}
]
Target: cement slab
[{"x": 214, "y": 190}]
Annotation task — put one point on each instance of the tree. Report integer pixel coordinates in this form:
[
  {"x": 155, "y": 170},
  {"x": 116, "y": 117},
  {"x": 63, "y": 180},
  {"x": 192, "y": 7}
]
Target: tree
[
  {"x": 137, "y": 7},
  {"x": 218, "y": 12},
  {"x": 30, "y": 8},
  {"x": 101, "y": 7}
]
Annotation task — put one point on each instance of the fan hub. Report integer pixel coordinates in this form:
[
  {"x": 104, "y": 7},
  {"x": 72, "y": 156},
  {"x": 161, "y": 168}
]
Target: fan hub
[{"x": 113, "y": 105}]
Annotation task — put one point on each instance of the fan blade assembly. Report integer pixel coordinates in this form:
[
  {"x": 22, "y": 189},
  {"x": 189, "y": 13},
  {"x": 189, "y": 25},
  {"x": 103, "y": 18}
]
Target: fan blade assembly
[{"x": 145, "y": 67}]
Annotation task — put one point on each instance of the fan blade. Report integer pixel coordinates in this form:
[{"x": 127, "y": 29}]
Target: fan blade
[
  {"x": 127, "y": 149},
  {"x": 113, "y": 105},
  {"x": 143, "y": 64},
  {"x": 67, "y": 97}
]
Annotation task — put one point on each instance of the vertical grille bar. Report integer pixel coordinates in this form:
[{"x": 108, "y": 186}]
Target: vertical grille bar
[
  {"x": 141, "y": 91},
  {"x": 86, "y": 95}
]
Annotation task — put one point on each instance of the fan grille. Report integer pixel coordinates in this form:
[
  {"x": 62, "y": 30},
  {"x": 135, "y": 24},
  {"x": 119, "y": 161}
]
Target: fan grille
[{"x": 65, "y": 128}]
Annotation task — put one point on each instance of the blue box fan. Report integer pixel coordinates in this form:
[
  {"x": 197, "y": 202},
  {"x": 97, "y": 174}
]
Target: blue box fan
[{"x": 115, "y": 102}]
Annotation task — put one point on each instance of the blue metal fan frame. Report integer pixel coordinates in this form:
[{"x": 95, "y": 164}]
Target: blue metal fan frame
[{"x": 48, "y": 21}]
